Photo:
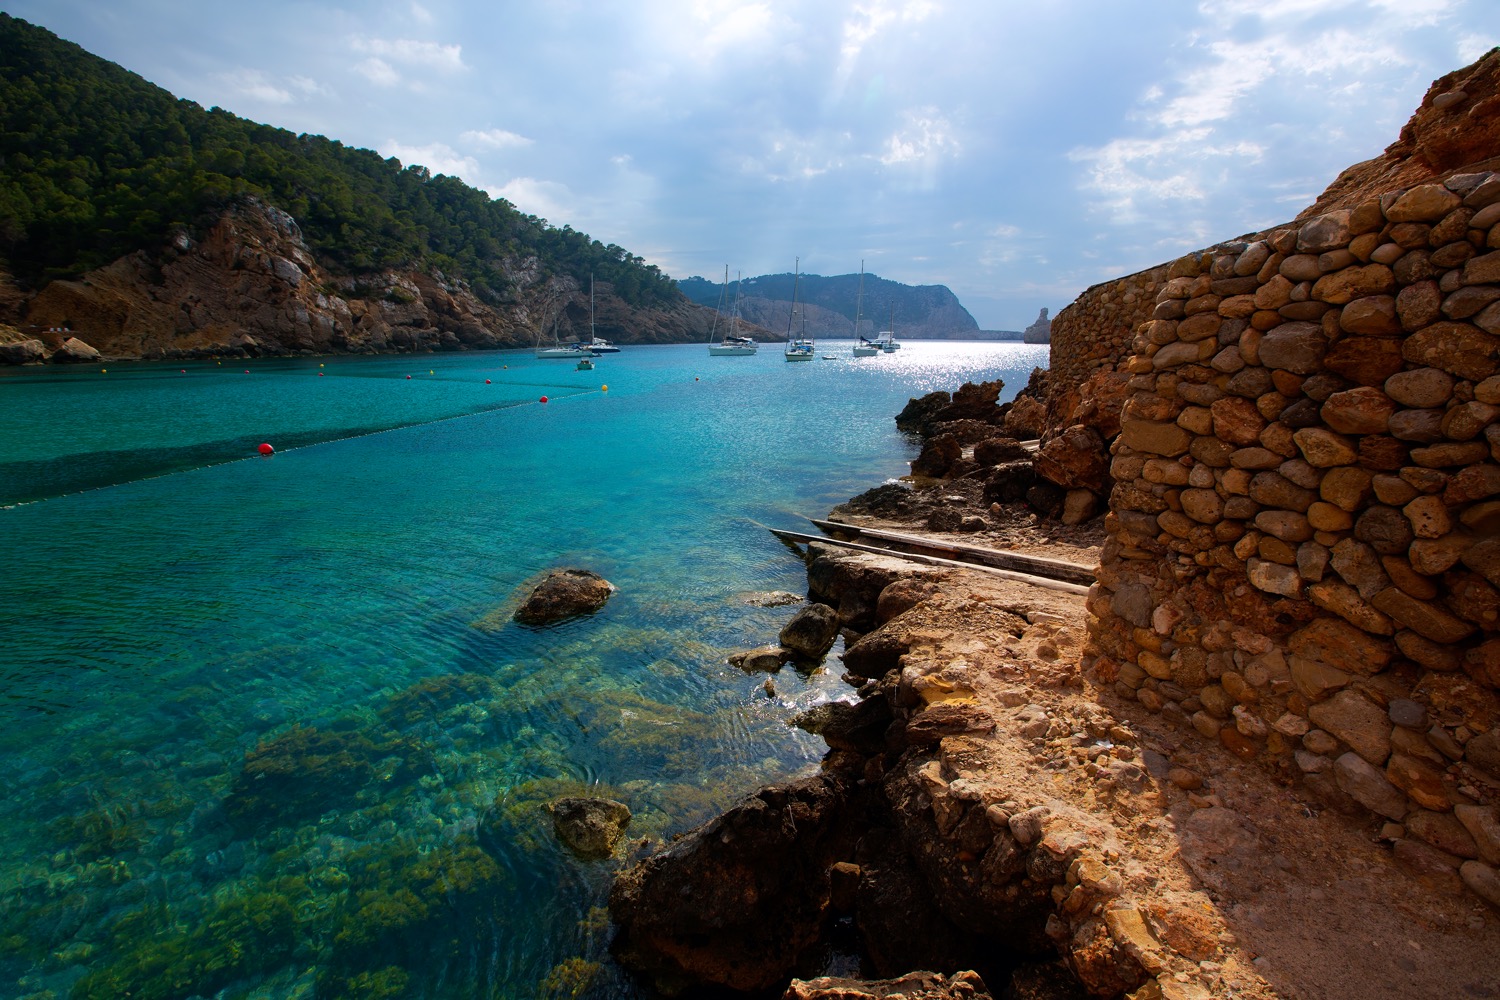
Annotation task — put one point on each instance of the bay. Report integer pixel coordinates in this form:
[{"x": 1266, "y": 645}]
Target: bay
[{"x": 267, "y": 728}]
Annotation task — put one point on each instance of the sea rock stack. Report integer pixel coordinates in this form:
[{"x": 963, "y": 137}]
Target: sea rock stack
[{"x": 1039, "y": 332}]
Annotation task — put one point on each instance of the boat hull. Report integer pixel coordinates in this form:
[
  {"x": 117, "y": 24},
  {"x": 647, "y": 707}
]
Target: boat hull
[
  {"x": 559, "y": 353},
  {"x": 866, "y": 352},
  {"x": 731, "y": 350}
]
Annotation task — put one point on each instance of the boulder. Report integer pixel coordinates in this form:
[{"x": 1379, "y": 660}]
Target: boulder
[
  {"x": 740, "y": 901},
  {"x": 74, "y": 352},
  {"x": 858, "y": 727},
  {"x": 919, "y": 414},
  {"x": 1025, "y": 418},
  {"x": 589, "y": 828},
  {"x": 998, "y": 450},
  {"x": 811, "y": 632},
  {"x": 1076, "y": 458},
  {"x": 23, "y": 352},
  {"x": 564, "y": 593},
  {"x": 937, "y": 457}
]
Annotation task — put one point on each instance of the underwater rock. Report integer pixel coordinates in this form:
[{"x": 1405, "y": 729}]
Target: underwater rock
[
  {"x": 770, "y": 598},
  {"x": 565, "y": 593},
  {"x": 811, "y": 632},
  {"x": 589, "y": 827},
  {"x": 307, "y": 771}
]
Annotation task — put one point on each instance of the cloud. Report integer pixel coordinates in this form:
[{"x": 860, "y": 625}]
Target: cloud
[
  {"x": 378, "y": 72},
  {"x": 436, "y": 157},
  {"x": 866, "y": 22},
  {"x": 421, "y": 14},
  {"x": 495, "y": 138},
  {"x": 411, "y": 52},
  {"x": 925, "y": 138},
  {"x": 545, "y": 199},
  {"x": 1471, "y": 47},
  {"x": 266, "y": 88}
]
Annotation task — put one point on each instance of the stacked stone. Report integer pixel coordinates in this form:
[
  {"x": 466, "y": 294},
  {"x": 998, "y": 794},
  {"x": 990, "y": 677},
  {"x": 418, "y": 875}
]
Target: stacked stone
[
  {"x": 1304, "y": 550},
  {"x": 1095, "y": 332}
]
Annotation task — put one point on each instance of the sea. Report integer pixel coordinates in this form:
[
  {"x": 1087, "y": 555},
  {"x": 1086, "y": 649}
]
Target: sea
[{"x": 268, "y": 729}]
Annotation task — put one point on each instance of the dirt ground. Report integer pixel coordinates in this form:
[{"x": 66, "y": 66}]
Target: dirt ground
[{"x": 1252, "y": 889}]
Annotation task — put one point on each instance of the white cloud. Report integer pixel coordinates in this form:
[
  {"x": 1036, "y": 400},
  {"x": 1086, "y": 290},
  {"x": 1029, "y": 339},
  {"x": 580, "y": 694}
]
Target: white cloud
[
  {"x": 254, "y": 84},
  {"x": 436, "y": 157},
  {"x": 495, "y": 138},
  {"x": 866, "y": 22},
  {"x": 378, "y": 72},
  {"x": 926, "y": 137},
  {"x": 547, "y": 199},
  {"x": 1471, "y": 47},
  {"x": 421, "y": 14},
  {"x": 410, "y": 52}
]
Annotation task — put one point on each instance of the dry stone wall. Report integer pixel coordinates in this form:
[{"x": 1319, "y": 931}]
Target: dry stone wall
[
  {"x": 1303, "y": 558},
  {"x": 1094, "y": 333}
]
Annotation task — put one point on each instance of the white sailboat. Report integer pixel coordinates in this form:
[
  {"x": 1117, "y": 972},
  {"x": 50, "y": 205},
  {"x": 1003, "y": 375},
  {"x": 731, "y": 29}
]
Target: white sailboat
[
  {"x": 574, "y": 350},
  {"x": 863, "y": 348},
  {"x": 801, "y": 347},
  {"x": 733, "y": 345},
  {"x": 886, "y": 339}
]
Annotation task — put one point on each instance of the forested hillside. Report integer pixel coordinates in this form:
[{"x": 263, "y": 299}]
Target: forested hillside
[{"x": 96, "y": 162}]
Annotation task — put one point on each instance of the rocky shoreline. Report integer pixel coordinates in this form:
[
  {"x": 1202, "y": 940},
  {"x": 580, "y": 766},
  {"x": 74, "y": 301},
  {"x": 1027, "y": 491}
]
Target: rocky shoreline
[{"x": 992, "y": 820}]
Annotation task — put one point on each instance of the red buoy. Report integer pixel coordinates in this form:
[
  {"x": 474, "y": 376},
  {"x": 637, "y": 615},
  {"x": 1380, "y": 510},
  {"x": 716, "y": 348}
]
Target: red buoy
[
  {"x": 408, "y": 376},
  {"x": 320, "y": 374},
  {"x": 266, "y": 449},
  {"x": 544, "y": 399},
  {"x": 486, "y": 381}
]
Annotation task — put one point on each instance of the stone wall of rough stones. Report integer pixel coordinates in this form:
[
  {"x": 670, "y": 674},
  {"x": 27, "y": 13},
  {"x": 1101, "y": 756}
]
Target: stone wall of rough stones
[
  {"x": 1303, "y": 558},
  {"x": 1094, "y": 333}
]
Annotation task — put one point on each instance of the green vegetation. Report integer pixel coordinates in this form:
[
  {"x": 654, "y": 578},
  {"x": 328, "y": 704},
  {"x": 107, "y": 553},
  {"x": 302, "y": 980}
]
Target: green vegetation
[{"x": 96, "y": 162}]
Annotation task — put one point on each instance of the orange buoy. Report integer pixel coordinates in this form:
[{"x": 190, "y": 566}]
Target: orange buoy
[
  {"x": 604, "y": 388},
  {"x": 266, "y": 449},
  {"x": 543, "y": 399}
]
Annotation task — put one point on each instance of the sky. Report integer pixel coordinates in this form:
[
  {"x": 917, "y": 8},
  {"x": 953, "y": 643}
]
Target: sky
[{"x": 1017, "y": 152}]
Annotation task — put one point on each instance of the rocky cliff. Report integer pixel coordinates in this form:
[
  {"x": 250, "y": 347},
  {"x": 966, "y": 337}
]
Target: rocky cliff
[
  {"x": 830, "y": 306},
  {"x": 251, "y": 285}
]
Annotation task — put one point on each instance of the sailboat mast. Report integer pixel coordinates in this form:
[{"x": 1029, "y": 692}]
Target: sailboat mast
[
  {"x": 734, "y": 314},
  {"x": 859, "y": 299},
  {"x": 792, "y": 316},
  {"x": 723, "y": 297}
]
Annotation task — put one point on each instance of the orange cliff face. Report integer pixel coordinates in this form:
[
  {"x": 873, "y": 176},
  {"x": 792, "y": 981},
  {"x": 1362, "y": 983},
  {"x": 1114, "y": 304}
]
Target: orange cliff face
[{"x": 1456, "y": 129}]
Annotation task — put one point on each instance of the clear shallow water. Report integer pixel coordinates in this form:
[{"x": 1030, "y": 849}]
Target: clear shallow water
[{"x": 338, "y": 612}]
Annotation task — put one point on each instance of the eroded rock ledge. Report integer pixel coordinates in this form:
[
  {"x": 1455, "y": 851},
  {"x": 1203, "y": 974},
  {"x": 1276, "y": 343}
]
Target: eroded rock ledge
[{"x": 986, "y": 808}]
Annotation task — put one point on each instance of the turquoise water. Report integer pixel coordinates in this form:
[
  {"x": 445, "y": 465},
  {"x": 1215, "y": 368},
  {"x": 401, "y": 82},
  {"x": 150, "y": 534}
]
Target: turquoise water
[{"x": 267, "y": 728}]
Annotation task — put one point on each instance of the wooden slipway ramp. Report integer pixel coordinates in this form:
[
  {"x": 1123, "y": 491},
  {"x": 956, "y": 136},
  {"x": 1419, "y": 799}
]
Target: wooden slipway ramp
[{"x": 1054, "y": 574}]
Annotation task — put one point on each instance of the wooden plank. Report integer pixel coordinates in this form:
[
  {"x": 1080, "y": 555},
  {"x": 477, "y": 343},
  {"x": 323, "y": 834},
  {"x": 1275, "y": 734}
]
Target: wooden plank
[
  {"x": 1057, "y": 569},
  {"x": 1006, "y": 574}
]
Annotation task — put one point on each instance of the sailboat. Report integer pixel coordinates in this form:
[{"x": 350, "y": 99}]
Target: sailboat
[
  {"x": 574, "y": 350},
  {"x": 800, "y": 348},
  {"x": 732, "y": 344},
  {"x": 886, "y": 339},
  {"x": 863, "y": 348}
]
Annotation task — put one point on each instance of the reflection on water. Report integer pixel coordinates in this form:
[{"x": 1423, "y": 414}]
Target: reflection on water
[{"x": 263, "y": 735}]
